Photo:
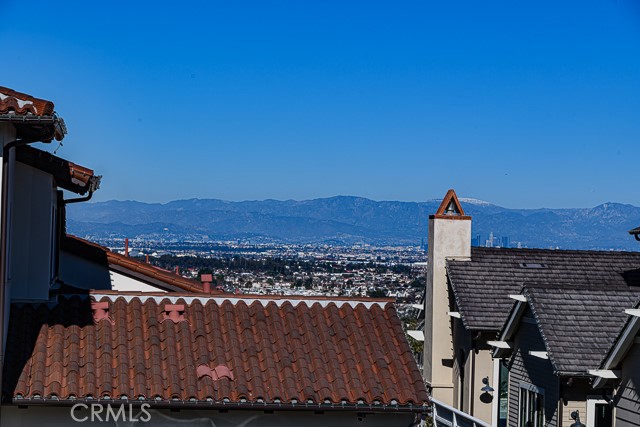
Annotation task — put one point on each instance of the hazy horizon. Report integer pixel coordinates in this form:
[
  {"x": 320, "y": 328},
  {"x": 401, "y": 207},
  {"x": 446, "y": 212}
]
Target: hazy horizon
[{"x": 434, "y": 199}]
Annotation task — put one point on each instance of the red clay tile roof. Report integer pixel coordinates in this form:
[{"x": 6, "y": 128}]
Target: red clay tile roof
[
  {"x": 34, "y": 118},
  {"x": 226, "y": 351},
  {"x": 23, "y": 104},
  {"x": 130, "y": 266}
]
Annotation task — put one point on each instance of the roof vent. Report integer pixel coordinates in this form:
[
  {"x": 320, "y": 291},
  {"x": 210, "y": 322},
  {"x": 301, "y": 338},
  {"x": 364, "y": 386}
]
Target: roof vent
[
  {"x": 174, "y": 312},
  {"x": 101, "y": 311},
  {"x": 220, "y": 371},
  {"x": 206, "y": 280},
  {"x": 532, "y": 265}
]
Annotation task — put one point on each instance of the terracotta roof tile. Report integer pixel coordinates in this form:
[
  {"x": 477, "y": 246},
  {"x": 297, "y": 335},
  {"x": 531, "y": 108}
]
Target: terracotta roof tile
[
  {"x": 270, "y": 349},
  {"x": 33, "y": 118},
  {"x": 20, "y": 103}
]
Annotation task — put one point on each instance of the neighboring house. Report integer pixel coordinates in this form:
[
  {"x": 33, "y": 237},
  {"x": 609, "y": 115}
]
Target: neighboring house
[
  {"x": 84, "y": 263},
  {"x": 84, "y": 326},
  {"x": 621, "y": 371},
  {"x": 555, "y": 340},
  {"x": 468, "y": 303}
]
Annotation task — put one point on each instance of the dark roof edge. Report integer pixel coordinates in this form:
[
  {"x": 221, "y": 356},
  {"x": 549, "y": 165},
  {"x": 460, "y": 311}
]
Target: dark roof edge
[
  {"x": 450, "y": 282},
  {"x": 510, "y": 325},
  {"x": 185, "y": 404}
]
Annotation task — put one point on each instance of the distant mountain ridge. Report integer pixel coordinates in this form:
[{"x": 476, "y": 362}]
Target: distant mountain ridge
[{"x": 348, "y": 220}]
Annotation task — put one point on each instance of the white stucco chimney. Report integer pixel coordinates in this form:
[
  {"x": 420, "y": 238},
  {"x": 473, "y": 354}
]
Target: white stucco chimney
[{"x": 449, "y": 238}]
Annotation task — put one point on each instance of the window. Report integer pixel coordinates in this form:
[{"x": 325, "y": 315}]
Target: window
[
  {"x": 599, "y": 413},
  {"x": 503, "y": 393},
  {"x": 531, "y": 406}
]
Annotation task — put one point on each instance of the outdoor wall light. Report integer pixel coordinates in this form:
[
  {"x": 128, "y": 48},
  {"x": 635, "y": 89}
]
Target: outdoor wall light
[
  {"x": 487, "y": 388},
  {"x": 575, "y": 415}
]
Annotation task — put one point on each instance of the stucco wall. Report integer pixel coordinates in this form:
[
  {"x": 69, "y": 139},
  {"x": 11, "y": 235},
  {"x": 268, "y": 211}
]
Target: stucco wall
[
  {"x": 448, "y": 238},
  {"x": 34, "y": 200},
  {"x": 483, "y": 367},
  {"x": 82, "y": 273},
  {"x": 123, "y": 283}
]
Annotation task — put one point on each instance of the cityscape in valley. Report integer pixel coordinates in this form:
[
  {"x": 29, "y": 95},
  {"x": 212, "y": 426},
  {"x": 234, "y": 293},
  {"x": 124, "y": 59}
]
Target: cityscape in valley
[{"x": 320, "y": 214}]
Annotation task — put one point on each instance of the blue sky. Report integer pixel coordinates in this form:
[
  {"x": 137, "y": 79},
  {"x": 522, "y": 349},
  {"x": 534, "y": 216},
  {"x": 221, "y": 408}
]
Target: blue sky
[{"x": 524, "y": 104}]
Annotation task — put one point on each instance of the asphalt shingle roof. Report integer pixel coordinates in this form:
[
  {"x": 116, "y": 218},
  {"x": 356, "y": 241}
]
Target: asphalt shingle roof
[
  {"x": 482, "y": 286},
  {"x": 579, "y": 324}
]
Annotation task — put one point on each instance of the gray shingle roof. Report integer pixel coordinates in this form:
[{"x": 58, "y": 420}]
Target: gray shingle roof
[
  {"x": 482, "y": 286},
  {"x": 579, "y": 324}
]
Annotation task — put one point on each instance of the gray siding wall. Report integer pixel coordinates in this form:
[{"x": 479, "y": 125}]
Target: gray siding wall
[
  {"x": 532, "y": 370},
  {"x": 627, "y": 398}
]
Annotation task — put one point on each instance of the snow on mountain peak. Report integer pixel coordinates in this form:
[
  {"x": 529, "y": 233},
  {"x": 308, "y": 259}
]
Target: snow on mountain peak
[{"x": 474, "y": 201}]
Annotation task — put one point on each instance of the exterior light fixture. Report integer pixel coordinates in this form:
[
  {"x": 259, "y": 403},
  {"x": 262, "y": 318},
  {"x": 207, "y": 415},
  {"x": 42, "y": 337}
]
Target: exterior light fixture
[
  {"x": 487, "y": 388},
  {"x": 575, "y": 415}
]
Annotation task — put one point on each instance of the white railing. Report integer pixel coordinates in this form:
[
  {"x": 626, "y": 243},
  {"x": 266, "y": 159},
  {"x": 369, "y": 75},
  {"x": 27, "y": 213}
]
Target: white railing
[{"x": 448, "y": 416}]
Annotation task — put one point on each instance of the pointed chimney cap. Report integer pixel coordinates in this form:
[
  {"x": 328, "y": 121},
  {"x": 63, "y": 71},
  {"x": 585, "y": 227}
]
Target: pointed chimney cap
[{"x": 450, "y": 208}]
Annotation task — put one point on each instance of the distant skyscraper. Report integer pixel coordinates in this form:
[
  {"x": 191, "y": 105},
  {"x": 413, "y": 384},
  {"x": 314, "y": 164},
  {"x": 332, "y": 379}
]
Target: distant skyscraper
[{"x": 505, "y": 242}]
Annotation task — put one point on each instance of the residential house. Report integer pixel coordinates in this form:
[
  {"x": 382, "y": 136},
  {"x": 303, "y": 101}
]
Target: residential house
[
  {"x": 554, "y": 342},
  {"x": 470, "y": 300},
  {"x": 621, "y": 371},
  {"x": 78, "y": 345}
]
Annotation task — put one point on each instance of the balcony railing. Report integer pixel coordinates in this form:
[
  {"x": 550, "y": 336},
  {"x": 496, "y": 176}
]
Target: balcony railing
[{"x": 448, "y": 416}]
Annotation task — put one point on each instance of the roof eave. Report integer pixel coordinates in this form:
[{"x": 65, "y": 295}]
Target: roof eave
[{"x": 199, "y": 405}]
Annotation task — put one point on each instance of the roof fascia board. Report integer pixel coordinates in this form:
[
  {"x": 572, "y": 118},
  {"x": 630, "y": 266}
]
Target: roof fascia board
[
  {"x": 500, "y": 344},
  {"x": 620, "y": 348},
  {"x": 604, "y": 373},
  {"x": 539, "y": 354},
  {"x": 513, "y": 321},
  {"x": 510, "y": 326},
  {"x": 203, "y": 405}
]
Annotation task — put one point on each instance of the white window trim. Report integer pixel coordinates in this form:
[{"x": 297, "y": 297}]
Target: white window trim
[
  {"x": 496, "y": 393},
  {"x": 592, "y": 401}
]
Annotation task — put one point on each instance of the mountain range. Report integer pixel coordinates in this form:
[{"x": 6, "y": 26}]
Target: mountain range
[{"x": 349, "y": 220}]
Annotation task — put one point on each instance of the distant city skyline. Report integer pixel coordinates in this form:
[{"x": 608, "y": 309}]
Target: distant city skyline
[{"x": 525, "y": 105}]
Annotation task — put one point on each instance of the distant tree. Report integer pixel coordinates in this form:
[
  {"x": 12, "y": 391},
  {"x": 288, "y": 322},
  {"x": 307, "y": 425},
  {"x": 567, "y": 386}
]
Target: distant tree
[
  {"x": 377, "y": 293},
  {"x": 308, "y": 283}
]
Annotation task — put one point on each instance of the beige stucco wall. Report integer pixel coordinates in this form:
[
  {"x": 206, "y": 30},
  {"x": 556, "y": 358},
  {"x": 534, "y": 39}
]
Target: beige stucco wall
[
  {"x": 448, "y": 238},
  {"x": 569, "y": 405},
  {"x": 482, "y": 403}
]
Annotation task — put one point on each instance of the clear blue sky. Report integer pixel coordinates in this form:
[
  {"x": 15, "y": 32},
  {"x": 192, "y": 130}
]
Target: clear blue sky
[{"x": 524, "y": 104}]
